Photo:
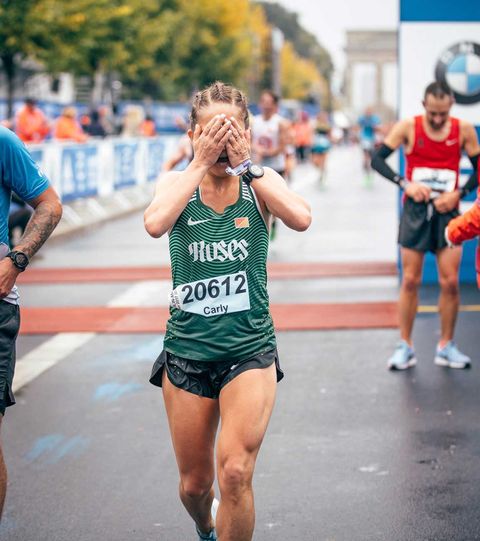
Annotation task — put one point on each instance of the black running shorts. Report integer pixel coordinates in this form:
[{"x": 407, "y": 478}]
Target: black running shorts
[
  {"x": 422, "y": 228},
  {"x": 207, "y": 379},
  {"x": 9, "y": 325}
]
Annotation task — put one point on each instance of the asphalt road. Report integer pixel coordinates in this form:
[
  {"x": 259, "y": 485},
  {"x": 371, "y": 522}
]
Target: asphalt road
[{"x": 353, "y": 452}]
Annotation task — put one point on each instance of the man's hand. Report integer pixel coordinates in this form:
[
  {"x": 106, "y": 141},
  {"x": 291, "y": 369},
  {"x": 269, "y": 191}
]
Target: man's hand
[
  {"x": 8, "y": 275},
  {"x": 447, "y": 202},
  {"x": 418, "y": 192}
]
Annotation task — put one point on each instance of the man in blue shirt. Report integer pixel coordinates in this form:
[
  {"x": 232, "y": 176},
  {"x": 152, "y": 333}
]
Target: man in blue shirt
[
  {"x": 368, "y": 125},
  {"x": 18, "y": 174}
]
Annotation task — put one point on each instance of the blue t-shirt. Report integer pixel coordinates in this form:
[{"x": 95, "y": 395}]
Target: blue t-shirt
[
  {"x": 18, "y": 173},
  {"x": 368, "y": 123}
]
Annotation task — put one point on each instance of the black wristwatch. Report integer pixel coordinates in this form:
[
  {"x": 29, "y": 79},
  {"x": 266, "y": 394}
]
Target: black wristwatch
[
  {"x": 20, "y": 259},
  {"x": 253, "y": 172}
]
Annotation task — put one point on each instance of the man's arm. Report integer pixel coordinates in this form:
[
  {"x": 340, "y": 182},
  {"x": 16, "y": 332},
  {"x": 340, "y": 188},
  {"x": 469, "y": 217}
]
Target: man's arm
[
  {"x": 46, "y": 215},
  {"x": 448, "y": 201},
  {"x": 472, "y": 148},
  {"x": 397, "y": 136}
]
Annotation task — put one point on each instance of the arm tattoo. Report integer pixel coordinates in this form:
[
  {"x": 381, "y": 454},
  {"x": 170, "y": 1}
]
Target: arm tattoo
[{"x": 43, "y": 221}]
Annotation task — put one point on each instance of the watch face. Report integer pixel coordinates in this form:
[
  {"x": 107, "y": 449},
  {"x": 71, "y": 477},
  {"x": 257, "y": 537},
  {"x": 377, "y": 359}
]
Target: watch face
[
  {"x": 21, "y": 260},
  {"x": 256, "y": 171}
]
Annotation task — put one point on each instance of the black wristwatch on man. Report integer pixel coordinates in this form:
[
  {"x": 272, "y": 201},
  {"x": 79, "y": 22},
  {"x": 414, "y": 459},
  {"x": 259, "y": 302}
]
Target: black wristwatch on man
[{"x": 19, "y": 259}]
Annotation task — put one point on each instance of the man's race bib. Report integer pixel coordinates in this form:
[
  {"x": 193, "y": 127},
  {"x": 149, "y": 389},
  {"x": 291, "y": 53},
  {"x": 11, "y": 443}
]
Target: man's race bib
[
  {"x": 214, "y": 296},
  {"x": 439, "y": 180}
]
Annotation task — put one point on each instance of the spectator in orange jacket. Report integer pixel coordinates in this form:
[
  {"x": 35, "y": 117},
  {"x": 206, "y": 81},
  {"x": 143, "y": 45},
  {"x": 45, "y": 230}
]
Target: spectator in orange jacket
[
  {"x": 466, "y": 227},
  {"x": 31, "y": 125},
  {"x": 148, "y": 128},
  {"x": 68, "y": 127}
]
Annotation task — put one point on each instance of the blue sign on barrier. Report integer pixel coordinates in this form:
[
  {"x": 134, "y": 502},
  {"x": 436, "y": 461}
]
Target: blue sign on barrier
[
  {"x": 125, "y": 155},
  {"x": 155, "y": 158},
  {"x": 79, "y": 172}
]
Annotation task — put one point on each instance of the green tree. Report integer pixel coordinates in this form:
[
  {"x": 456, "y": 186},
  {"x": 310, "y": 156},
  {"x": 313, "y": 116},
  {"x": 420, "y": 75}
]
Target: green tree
[
  {"x": 99, "y": 37},
  {"x": 203, "y": 41},
  {"x": 17, "y": 41}
]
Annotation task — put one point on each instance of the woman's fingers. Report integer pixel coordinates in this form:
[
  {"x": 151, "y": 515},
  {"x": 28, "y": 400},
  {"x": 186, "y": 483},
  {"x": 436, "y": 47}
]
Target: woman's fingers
[
  {"x": 225, "y": 140},
  {"x": 213, "y": 124},
  {"x": 236, "y": 134},
  {"x": 196, "y": 132},
  {"x": 221, "y": 132},
  {"x": 236, "y": 125}
]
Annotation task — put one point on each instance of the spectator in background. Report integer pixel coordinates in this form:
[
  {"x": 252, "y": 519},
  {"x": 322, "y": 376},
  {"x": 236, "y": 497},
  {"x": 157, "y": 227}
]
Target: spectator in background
[
  {"x": 148, "y": 128},
  {"x": 303, "y": 136},
  {"x": 67, "y": 127},
  {"x": 31, "y": 125},
  {"x": 85, "y": 122},
  {"x": 321, "y": 143},
  {"x": 132, "y": 121},
  {"x": 95, "y": 126}
]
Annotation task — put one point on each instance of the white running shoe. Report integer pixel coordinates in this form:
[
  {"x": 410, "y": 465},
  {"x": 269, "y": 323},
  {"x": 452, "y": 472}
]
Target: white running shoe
[
  {"x": 402, "y": 358},
  {"x": 451, "y": 357}
]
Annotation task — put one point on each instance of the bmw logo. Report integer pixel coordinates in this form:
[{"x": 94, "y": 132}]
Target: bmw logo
[{"x": 459, "y": 69}]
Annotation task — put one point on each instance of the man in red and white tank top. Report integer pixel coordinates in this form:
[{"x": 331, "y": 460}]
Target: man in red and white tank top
[{"x": 433, "y": 143}]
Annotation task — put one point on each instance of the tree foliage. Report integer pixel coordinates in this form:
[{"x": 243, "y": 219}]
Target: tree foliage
[{"x": 160, "y": 48}]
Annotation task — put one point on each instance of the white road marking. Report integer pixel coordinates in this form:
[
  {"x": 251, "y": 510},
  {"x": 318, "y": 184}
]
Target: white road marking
[
  {"x": 59, "y": 347},
  {"x": 47, "y": 355}
]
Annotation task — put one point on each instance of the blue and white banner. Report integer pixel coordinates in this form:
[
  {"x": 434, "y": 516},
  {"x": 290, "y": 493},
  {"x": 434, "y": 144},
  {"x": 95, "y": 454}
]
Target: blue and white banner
[
  {"x": 125, "y": 164},
  {"x": 79, "y": 171},
  {"x": 155, "y": 157},
  {"x": 100, "y": 167}
]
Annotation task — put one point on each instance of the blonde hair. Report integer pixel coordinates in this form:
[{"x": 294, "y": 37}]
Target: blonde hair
[{"x": 219, "y": 92}]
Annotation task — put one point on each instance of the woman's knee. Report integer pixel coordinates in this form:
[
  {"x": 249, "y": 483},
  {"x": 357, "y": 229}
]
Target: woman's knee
[
  {"x": 195, "y": 486},
  {"x": 235, "y": 472}
]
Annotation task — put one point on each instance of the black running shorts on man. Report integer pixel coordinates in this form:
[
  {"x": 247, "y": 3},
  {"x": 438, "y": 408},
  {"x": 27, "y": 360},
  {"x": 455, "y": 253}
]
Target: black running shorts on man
[
  {"x": 9, "y": 325},
  {"x": 422, "y": 227}
]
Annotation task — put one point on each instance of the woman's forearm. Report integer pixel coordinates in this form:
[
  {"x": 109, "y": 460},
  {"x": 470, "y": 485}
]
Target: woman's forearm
[{"x": 171, "y": 196}]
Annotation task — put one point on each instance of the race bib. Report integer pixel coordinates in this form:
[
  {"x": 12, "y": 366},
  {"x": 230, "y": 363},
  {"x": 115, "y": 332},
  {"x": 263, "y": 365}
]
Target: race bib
[
  {"x": 214, "y": 296},
  {"x": 439, "y": 180}
]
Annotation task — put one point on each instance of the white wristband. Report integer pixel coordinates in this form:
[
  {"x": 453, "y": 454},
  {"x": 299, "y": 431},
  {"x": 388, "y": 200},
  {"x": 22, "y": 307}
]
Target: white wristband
[{"x": 240, "y": 169}]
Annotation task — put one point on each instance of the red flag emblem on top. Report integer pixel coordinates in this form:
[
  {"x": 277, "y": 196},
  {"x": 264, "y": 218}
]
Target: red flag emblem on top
[{"x": 240, "y": 223}]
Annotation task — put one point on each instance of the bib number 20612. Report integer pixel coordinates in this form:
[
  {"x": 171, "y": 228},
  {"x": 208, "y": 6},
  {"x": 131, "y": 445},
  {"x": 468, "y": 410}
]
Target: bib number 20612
[{"x": 213, "y": 296}]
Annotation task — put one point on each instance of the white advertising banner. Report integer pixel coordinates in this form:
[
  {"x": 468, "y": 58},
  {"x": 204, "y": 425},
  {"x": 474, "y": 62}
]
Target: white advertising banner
[{"x": 448, "y": 49}]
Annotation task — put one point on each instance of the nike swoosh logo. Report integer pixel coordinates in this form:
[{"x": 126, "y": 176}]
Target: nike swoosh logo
[
  {"x": 196, "y": 222},
  {"x": 450, "y": 143}
]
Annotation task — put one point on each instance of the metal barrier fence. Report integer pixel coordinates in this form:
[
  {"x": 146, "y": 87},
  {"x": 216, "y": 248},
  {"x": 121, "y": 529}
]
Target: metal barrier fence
[{"x": 101, "y": 167}]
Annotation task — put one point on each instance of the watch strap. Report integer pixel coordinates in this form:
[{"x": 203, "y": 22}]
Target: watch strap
[
  {"x": 239, "y": 169},
  {"x": 13, "y": 256}
]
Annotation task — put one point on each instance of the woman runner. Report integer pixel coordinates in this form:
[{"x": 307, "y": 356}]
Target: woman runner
[{"x": 220, "y": 361}]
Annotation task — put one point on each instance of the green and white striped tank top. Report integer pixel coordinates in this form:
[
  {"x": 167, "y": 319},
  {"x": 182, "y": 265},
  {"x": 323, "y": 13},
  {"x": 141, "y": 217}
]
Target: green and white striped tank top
[{"x": 219, "y": 306}]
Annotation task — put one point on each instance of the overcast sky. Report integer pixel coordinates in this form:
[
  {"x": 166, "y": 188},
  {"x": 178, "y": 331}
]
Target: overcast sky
[{"x": 328, "y": 20}]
